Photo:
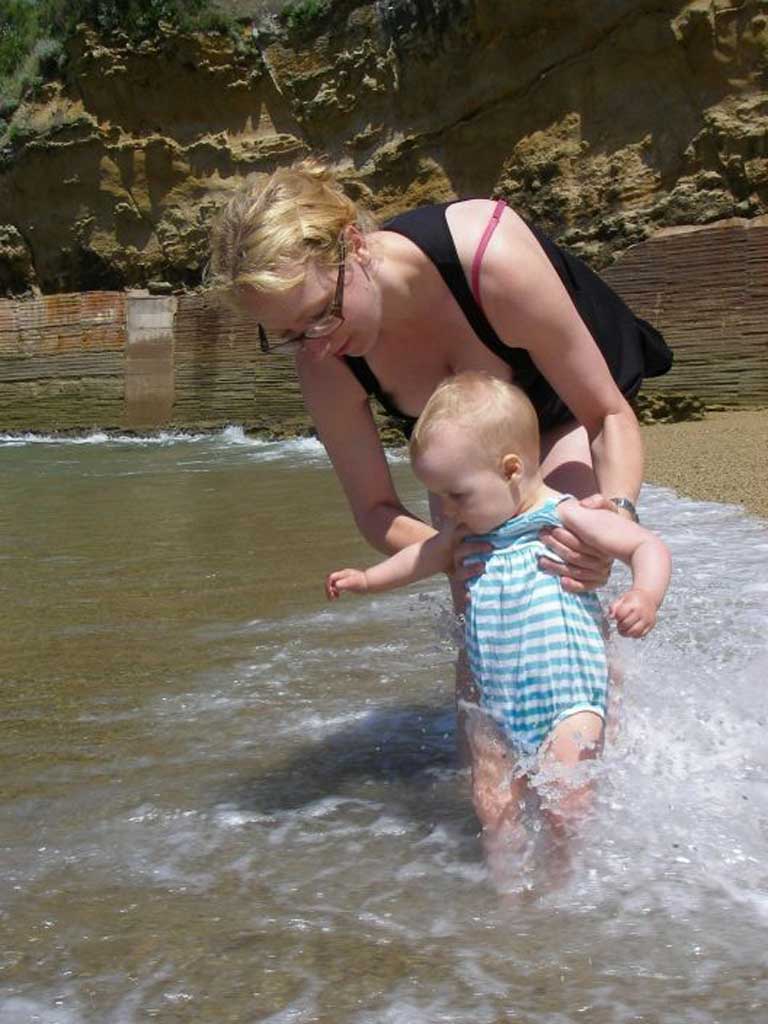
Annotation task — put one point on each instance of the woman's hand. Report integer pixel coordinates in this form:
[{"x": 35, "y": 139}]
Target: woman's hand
[
  {"x": 583, "y": 567},
  {"x": 463, "y": 549}
]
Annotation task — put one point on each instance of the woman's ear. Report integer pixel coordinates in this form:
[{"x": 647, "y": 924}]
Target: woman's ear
[
  {"x": 511, "y": 467},
  {"x": 357, "y": 244}
]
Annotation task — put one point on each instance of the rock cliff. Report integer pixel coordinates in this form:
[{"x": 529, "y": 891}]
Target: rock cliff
[{"x": 604, "y": 120}]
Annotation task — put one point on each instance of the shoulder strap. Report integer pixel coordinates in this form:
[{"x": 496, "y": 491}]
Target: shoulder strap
[
  {"x": 427, "y": 227},
  {"x": 480, "y": 252},
  {"x": 365, "y": 375}
]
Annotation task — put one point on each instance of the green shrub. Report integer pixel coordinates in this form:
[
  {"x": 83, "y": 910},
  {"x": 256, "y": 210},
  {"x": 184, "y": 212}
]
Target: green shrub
[
  {"x": 33, "y": 33},
  {"x": 299, "y": 14},
  {"x": 18, "y": 31},
  {"x": 135, "y": 19},
  {"x": 49, "y": 55},
  {"x": 8, "y": 106}
]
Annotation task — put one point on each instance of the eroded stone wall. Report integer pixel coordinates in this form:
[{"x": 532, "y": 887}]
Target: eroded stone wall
[
  {"x": 133, "y": 361},
  {"x": 706, "y": 289}
]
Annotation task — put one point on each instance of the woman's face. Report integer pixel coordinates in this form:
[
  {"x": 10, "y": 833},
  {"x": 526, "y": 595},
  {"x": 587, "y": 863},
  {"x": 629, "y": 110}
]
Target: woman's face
[{"x": 288, "y": 315}]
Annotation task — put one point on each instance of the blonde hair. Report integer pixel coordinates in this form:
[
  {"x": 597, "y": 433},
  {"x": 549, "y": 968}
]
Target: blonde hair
[
  {"x": 498, "y": 415},
  {"x": 273, "y": 227}
]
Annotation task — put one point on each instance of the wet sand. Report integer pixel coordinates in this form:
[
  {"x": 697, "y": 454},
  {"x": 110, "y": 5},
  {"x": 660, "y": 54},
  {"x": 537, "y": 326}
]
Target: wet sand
[{"x": 723, "y": 457}]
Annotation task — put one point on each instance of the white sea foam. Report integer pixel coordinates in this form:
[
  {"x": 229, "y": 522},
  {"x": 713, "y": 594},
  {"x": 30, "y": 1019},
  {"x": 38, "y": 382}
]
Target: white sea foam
[
  {"x": 314, "y": 724},
  {"x": 17, "y": 440},
  {"x": 232, "y": 436},
  {"x": 99, "y": 437},
  {"x": 298, "y": 451},
  {"x": 19, "y": 1010}
]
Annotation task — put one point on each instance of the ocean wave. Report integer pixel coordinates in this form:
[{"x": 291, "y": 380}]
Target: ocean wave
[
  {"x": 302, "y": 450},
  {"x": 97, "y": 437}
]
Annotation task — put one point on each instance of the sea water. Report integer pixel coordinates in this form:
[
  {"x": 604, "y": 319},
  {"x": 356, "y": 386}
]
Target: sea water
[{"x": 225, "y": 800}]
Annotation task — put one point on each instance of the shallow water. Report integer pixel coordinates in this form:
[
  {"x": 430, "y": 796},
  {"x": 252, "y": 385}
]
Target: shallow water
[{"x": 224, "y": 800}]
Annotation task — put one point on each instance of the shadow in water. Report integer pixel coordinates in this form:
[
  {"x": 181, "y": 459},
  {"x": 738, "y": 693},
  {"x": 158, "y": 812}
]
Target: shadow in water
[{"x": 402, "y": 756}]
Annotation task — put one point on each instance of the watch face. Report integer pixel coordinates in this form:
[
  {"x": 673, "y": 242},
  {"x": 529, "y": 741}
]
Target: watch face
[{"x": 625, "y": 503}]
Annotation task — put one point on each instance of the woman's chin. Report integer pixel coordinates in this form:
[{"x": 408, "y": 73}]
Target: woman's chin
[
  {"x": 347, "y": 349},
  {"x": 355, "y": 347}
]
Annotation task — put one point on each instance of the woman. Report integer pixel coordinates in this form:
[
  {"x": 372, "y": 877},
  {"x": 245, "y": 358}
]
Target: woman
[{"x": 392, "y": 312}]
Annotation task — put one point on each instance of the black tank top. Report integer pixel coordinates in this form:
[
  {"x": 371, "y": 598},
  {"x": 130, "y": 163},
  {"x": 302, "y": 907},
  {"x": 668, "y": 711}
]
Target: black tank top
[{"x": 632, "y": 348}]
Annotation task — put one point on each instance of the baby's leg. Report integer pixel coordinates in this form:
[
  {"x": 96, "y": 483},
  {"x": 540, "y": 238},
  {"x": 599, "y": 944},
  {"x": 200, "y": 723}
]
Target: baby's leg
[
  {"x": 565, "y": 789},
  {"x": 494, "y": 767},
  {"x": 566, "y": 794},
  {"x": 499, "y": 790}
]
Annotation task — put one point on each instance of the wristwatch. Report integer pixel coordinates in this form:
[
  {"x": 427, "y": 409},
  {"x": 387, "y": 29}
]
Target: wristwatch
[{"x": 628, "y": 506}]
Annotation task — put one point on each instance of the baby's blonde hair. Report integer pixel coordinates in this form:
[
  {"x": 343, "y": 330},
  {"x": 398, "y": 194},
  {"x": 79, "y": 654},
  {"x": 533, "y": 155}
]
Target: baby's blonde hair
[
  {"x": 498, "y": 415},
  {"x": 274, "y": 226}
]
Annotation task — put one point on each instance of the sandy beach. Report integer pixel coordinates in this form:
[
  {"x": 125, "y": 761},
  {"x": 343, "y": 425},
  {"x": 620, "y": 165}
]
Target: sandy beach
[{"x": 720, "y": 458}]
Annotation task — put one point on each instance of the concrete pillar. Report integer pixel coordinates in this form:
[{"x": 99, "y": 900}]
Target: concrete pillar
[{"x": 149, "y": 375}]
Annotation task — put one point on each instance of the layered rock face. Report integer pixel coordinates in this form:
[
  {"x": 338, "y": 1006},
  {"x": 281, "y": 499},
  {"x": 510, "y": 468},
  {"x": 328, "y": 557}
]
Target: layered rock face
[{"x": 603, "y": 120}]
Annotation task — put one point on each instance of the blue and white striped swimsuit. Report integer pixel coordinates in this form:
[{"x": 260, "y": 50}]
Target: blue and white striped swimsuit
[{"x": 537, "y": 652}]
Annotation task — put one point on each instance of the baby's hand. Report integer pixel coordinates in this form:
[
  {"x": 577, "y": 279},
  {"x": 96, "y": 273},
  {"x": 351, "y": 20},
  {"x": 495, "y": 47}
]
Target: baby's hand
[
  {"x": 634, "y": 612},
  {"x": 352, "y": 580}
]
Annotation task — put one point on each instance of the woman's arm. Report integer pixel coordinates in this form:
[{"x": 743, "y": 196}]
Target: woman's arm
[
  {"x": 529, "y": 307},
  {"x": 339, "y": 409}
]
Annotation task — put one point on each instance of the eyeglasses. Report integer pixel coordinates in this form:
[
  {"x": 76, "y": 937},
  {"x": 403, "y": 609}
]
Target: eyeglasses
[{"x": 330, "y": 321}]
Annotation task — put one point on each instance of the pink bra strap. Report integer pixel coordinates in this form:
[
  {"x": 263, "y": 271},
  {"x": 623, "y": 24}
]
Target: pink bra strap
[{"x": 489, "y": 229}]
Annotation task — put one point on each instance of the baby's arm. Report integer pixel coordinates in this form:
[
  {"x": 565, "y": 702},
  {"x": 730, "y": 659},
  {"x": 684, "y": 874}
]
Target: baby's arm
[
  {"x": 415, "y": 562},
  {"x": 645, "y": 553}
]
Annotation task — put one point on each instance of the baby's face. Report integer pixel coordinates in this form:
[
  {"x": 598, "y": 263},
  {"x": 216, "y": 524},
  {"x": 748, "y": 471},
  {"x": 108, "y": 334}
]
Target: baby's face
[{"x": 472, "y": 492}]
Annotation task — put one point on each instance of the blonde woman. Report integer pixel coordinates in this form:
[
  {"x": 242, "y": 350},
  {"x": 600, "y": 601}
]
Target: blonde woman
[{"x": 390, "y": 312}]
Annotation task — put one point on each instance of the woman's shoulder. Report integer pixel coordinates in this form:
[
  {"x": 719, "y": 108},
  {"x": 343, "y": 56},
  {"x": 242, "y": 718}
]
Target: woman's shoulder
[
  {"x": 468, "y": 221},
  {"x": 470, "y": 214},
  {"x": 465, "y": 222},
  {"x": 457, "y": 215}
]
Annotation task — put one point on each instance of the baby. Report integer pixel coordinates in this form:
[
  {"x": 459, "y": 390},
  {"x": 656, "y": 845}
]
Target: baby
[{"x": 537, "y": 652}]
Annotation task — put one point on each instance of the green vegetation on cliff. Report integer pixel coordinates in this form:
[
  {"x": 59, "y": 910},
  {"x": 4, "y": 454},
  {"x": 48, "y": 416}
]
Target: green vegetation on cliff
[
  {"x": 33, "y": 33},
  {"x": 300, "y": 14},
  {"x": 25, "y": 50}
]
